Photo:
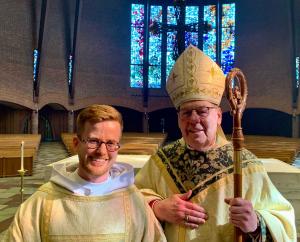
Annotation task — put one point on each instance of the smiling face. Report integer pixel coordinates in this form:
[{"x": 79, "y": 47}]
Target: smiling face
[
  {"x": 94, "y": 164},
  {"x": 198, "y": 124}
]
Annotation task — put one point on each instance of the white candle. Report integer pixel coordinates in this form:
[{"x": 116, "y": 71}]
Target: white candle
[{"x": 22, "y": 155}]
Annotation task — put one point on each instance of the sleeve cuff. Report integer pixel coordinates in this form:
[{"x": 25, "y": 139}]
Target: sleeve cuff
[{"x": 260, "y": 234}]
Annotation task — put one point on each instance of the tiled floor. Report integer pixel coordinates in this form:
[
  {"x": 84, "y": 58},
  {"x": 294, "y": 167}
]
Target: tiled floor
[{"x": 10, "y": 197}]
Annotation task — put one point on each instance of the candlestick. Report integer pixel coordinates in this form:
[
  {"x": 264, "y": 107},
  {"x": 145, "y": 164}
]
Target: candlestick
[
  {"x": 22, "y": 155},
  {"x": 22, "y": 173}
]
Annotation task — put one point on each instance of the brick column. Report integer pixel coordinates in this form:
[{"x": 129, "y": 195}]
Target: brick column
[
  {"x": 34, "y": 122},
  {"x": 146, "y": 122},
  {"x": 295, "y": 125},
  {"x": 71, "y": 121}
]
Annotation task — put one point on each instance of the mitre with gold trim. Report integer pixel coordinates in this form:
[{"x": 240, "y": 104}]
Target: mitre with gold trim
[{"x": 195, "y": 76}]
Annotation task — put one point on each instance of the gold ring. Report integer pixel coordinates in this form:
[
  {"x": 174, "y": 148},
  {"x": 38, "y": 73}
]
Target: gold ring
[{"x": 187, "y": 218}]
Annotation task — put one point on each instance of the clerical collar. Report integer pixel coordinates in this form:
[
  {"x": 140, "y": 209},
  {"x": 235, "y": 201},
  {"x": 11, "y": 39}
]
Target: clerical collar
[
  {"x": 84, "y": 182},
  {"x": 121, "y": 176}
]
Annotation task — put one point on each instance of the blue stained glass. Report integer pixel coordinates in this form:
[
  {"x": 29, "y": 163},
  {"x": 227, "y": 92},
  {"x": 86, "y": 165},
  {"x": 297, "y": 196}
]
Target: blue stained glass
[
  {"x": 155, "y": 39},
  {"x": 228, "y": 37},
  {"x": 154, "y": 80},
  {"x": 70, "y": 69},
  {"x": 155, "y": 51},
  {"x": 155, "y": 42},
  {"x": 192, "y": 19},
  {"x": 210, "y": 13},
  {"x": 209, "y": 38},
  {"x": 35, "y": 63},
  {"x": 171, "y": 37},
  {"x": 191, "y": 38},
  {"x": 171, "y": 19},
  {"x": 191, "y": 14},
  {"x": 228, "y": 16},
  {"x": 297, "y": 71},
  {"x": 137, "y": 45},
  {"x": 136, "y": 76}
]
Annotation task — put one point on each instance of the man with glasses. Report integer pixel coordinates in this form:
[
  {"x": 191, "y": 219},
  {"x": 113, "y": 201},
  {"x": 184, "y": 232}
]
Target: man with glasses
[
  {"x": 93, "y": 200},
  {"x": 189, "y": 183}
]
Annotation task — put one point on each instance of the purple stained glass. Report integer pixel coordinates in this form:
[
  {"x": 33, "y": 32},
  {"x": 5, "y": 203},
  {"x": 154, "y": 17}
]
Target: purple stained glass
[
  {"x": 137, "y": 45},
  {"x": 209, "y": 38},
  {"x": 228, "y": 37}
]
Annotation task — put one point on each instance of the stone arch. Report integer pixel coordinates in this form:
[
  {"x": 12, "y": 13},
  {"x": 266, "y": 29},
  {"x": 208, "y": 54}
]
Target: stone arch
[
  {"x": 53, "y": 120},
  {"x": 14, "y": 118}
]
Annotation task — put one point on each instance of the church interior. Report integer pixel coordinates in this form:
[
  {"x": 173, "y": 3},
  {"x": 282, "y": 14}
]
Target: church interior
[{"x": 60, "y": 56}]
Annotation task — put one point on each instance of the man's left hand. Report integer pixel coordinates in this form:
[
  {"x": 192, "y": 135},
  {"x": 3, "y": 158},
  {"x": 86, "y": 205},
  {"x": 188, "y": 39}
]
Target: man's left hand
[{"x": 242, "y": 214}]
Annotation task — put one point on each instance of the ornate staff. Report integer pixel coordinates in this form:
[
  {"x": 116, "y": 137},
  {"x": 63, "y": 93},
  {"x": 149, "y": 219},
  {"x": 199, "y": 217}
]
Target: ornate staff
[{"x": 236, "y": 89}]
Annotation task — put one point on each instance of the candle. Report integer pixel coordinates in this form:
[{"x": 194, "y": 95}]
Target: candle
[{"x": 22, "y": 155}]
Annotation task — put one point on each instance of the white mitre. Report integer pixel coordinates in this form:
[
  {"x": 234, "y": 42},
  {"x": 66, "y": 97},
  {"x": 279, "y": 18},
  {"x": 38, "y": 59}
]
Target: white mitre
[{"x": 195, "y": 76}]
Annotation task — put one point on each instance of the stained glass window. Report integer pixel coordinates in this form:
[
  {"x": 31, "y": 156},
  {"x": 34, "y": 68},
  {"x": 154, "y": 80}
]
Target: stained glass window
[
  {"x": 70, "y": 69},
  {"x": 297, "y": 71},
  {"x": 217, "y": 38},
  {"x": 210, "y": 37},
  {"x": 191, "y": 17},
  {"x": 137, "y": 45},
  {"x": 228, "y": 33},
  {"x": 155, "y": 44},
  {"x": 35, "y": 63},
  {"x": 171, "y": 36}
]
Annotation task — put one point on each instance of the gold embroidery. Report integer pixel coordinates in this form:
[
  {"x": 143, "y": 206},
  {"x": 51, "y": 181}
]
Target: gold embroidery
[
  {"x": 189, "y": 185},
  {"x": 46, "y": 215}
]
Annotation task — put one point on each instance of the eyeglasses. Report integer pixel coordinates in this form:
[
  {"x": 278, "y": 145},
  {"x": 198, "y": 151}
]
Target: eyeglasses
[
  {"x": 202, "y": 112},
  {"x": 95, "y": 144}
]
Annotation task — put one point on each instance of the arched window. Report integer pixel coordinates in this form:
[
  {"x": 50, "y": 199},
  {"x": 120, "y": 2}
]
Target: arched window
[
  {"x": 210, "y": 25},
  {"x": 297, "y": 71}
]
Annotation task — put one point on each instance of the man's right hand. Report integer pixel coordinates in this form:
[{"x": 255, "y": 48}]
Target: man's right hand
[{"x": 178, "y": 210}]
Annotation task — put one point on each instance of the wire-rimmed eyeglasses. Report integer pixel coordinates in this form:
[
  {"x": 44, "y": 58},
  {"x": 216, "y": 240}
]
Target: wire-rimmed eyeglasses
[
  {"x": 95, "y": 144},
  {"x": 202, "y": 112}
]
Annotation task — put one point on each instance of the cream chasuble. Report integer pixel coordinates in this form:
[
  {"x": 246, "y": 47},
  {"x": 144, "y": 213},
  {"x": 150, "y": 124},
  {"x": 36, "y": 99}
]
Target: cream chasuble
[
  {"x": 55, "y": 213},
  {"x": 176, "y": 169}
]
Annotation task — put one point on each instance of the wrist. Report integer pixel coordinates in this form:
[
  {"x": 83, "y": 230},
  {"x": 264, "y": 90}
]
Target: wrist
[
  {"x": 257, "y": 231},
  {"x": 153, "y": 202}
]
